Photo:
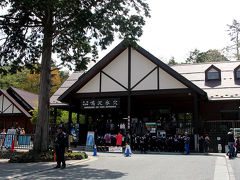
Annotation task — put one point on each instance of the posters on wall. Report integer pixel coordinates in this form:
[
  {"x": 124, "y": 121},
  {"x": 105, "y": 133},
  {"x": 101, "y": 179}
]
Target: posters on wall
[
  {"x": 9, "y": 137},
  {"x": 236, "y": 132},
  {"x": 90, "y": 138}
]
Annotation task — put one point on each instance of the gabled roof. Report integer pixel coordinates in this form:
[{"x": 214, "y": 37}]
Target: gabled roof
[
  {"x": 5, "y": 93},
  {"x": 25, "y": 98},
  {"x": 84, "y": 78},
  {"x": 64, "y": 87},
  {"x": 226, "y": 89}
]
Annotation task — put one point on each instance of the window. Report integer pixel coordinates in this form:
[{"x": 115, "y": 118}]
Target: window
[
  {"x": 213, "y": 73},
  {"x": 237, "y": 73}
]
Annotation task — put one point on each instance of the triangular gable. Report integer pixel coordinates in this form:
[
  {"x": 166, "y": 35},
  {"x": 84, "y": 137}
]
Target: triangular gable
[
  {"x": 115, "y": 66},
  {"x": 9, "y": 106}
]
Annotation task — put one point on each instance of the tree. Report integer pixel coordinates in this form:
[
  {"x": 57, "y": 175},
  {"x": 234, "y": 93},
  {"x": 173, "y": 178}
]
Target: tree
[
  {"x": 209, "y": 56},
  {"x": 234, "y": 33},
  {"x": 73, "y": 29},
  {"x": 172, "y": 61}
]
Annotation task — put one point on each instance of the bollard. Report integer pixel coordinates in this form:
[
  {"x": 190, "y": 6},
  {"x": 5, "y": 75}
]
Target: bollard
[
  {"x": 127, "y": 153},
  {"x": 12, "y": 147},
  {"x": 55, "y": 159},
  {"x": 95, "y": 150}
]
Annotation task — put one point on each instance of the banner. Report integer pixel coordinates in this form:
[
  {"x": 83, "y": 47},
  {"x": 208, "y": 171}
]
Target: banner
[
  {"x": 90, "y": 138},
  {"x": 24, "y": 140},
  {"x": 9, "y": 137},
  {"x": 115, "y": 149},
  {"x": 236, "y": 132}
]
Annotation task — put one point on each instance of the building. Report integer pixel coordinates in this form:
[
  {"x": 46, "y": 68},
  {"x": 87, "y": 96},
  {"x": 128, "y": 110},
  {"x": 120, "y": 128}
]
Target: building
[
  {"x": 15, "y": 107},
  {"x": 131, "y": 90}
]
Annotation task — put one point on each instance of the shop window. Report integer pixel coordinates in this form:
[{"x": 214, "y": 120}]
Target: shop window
[
  {"x": 237, "y": 73},
  {"x": 212, "y": 73}
]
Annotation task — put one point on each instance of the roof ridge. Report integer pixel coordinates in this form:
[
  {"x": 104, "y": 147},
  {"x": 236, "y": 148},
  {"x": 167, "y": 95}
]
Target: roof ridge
[{"x": 214, "y": 62}]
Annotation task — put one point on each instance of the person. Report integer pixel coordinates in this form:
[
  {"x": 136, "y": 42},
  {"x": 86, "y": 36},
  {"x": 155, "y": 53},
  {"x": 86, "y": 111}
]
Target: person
[
  {"x": 206, "y": 144},
  {"x": 230, "y": 138},
  {"x": 186, "y": 142},
  {"x": 107, "y": 138},
  {"x": 119, "y": 139},
  {"x": 61, "y": 143},
  {"x": 237, "y": 145},
  {"x": 22, "y": 132},
  {"x": 201, "y": 144},
  {"x": 2, "y": 137}
]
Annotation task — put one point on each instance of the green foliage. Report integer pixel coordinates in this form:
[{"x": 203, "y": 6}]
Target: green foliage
[
  {"x": 48, "y": 156},
  {"x": 34, "y": 113},
  {"x": 75, "y": 27},
  {"x": 209, "y": 56},
  {"x": 172, "y": 61},
  {"x": 234, "y": 33}
]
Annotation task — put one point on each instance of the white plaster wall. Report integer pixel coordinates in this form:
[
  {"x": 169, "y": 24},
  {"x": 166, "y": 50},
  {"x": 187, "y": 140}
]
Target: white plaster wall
[
  {"x": 16, "y": 110},
  {"x": 140, "y": 66},
  {"x": 118, "y": 68},
  {"x": 108, "y": 85},
  {"x": 166, "y": 81},
  {"x": 6, "y": 104},
  {"x": 149, "y": 83},
  {"x": 92, "y": 85}
]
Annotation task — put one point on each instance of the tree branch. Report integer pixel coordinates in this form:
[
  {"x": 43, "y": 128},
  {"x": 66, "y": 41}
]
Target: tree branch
[{"x": 60, "y": 32}]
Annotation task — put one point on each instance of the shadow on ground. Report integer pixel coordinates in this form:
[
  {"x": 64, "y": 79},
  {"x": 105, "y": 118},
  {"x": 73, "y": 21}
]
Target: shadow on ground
[{"x": 76, "y": 172}]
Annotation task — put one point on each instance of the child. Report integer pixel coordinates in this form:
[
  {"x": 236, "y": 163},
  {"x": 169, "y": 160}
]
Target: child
[{"x": 128, "y": 147}]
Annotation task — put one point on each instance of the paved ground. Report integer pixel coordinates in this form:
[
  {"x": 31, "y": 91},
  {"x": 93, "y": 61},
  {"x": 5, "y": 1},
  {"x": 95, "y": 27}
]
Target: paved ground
[
  {"x": 139, "y": 166},
  {"x": 235, "y": 164}
]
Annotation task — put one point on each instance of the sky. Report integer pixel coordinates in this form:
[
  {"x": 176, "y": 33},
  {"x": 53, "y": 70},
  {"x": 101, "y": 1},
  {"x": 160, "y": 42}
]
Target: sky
[{"x": 177, "y": 27}]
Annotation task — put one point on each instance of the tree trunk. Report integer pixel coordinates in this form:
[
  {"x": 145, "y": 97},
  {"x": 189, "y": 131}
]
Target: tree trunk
[{"x": 41, "y": 132}]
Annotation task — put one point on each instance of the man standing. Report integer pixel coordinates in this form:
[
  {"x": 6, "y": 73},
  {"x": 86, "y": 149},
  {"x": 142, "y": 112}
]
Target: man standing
[
  {"x": 186, "y": 142},
  {"x": 61, "y": 143},
  {"x": 230, "y": 137}
]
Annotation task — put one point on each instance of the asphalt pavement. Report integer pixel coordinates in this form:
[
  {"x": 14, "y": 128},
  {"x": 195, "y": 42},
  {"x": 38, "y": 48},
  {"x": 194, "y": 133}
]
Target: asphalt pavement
[{"x": 138, "y": 166}]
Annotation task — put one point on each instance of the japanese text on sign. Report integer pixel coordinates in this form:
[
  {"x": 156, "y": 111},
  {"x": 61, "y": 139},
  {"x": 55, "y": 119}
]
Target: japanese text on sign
[{"x": 100, "y": 103}]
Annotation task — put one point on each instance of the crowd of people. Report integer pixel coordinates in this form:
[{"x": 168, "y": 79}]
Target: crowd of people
[
  {"x": 147, "y": 142},
  {"x": 3, "y": 134}
]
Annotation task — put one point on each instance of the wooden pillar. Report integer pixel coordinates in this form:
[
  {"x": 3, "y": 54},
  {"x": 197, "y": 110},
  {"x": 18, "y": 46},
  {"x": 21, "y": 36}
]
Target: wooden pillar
[
  {"x": 69, "y": 117},
  {"x": 55, "y": 115},
  {"x": 78, "y": 117},
  {"x": 129, "y": 89},
  {"x": 196, "y": 122}
]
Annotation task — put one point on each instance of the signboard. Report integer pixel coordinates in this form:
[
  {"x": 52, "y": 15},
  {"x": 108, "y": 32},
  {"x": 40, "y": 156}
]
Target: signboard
[
  {"x": 114, "y": 149},
  {"x": 100, "y": 103},
  {"x": 9, "y": 137},
  {"x": 151, "y": 127},
  {"x": 90, "y": 138},
  {"x": 236, "y": 132},
  {"x": 75, "y": 133}
]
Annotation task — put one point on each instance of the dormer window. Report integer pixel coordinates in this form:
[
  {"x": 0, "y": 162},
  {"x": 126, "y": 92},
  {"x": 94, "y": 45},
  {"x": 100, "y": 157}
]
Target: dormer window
[
  {"x": 212, "y": 73},
  {"x": 237, "y": 73}
]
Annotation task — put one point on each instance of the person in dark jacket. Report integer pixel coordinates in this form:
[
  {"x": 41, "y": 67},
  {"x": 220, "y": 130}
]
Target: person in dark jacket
[
  {"x": 61, "y": 143},
  {"x": 201, "y": 144},
  {"x": 230, "y": 137},
  {"x": 206, "y": 144},
  {"x": 186, "y": 142}
]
